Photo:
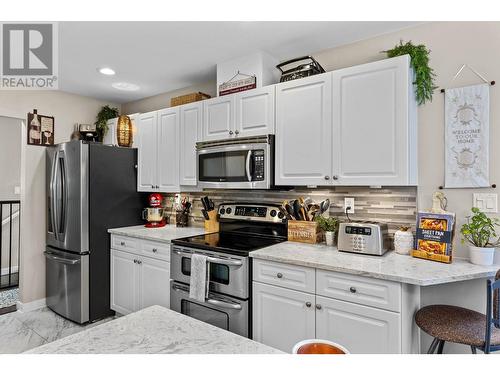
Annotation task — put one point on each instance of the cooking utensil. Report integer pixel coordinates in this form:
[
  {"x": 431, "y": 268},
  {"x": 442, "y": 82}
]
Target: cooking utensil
[
  {"x": 284, "y": 212},
  {"x": 297, "y": 207},
  {"x": 324, "y": 206}
]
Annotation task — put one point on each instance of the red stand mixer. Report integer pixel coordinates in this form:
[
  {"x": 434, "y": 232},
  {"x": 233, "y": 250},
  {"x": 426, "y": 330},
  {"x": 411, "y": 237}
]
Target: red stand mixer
[{"x": 154, "y": 214}]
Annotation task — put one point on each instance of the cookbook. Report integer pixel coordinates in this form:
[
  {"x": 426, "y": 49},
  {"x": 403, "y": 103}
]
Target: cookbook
[{"x": 434, "y": 239}]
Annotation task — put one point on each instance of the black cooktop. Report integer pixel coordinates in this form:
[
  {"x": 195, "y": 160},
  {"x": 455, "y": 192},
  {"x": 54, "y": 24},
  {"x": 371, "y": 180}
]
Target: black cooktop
[{"x": 238, "y": 243}]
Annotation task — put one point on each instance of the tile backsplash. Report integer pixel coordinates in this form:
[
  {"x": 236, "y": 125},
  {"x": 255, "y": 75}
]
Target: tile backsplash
[{"x": 396, "y": 206}]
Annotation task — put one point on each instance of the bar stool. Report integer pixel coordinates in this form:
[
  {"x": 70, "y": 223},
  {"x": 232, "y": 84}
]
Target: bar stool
[{"x": 464, "y": 326}]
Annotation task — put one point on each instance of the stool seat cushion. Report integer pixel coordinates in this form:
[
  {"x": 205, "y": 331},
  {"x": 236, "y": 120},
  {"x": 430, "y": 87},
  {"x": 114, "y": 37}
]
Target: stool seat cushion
[{"x": 455, "y": 324}]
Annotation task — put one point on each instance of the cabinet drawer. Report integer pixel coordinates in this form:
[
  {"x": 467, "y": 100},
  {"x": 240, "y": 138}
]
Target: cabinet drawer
[
  {"x": 157, "y": 250},
  {"x": 124, "y": 243},
  {"x": 358, "y": 289},
  {"x": 284, "y": 275}
]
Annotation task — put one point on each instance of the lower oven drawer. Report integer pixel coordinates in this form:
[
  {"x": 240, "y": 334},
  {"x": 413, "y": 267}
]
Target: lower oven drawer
[{"x": 229, "y": 313}]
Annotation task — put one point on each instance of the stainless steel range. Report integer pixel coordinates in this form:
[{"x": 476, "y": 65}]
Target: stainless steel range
[{"x": 244, "y": 227}]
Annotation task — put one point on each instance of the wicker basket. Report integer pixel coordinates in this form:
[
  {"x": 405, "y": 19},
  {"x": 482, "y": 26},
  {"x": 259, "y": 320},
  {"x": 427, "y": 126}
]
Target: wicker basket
[{"x": 188, "y": 98}]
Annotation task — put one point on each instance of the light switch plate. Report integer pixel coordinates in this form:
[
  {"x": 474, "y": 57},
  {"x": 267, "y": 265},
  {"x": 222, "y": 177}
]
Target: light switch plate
[
  {"x": 349, "y": 202},
  {"x": 486, "y": 202}
]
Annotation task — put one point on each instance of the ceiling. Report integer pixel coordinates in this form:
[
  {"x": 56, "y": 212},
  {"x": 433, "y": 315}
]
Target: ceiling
[{"x": 165, "y": 56}]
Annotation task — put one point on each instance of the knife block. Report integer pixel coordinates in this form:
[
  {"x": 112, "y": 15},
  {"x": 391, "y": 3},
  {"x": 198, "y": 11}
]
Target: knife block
[{"x": 212, "y": 225}]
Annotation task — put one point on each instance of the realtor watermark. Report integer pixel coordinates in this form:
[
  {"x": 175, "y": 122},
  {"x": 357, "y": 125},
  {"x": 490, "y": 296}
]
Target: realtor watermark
[{"x": 28, "y": 56}]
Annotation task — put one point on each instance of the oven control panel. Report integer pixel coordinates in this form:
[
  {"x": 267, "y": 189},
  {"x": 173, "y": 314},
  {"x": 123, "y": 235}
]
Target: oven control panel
[{"x": 253, "y": 212}]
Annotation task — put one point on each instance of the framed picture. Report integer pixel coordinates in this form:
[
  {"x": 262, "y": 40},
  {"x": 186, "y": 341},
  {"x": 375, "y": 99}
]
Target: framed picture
[{"x": 40, "y": 129}]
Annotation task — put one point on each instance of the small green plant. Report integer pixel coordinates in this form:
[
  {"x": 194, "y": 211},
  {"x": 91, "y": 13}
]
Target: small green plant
[
  {"x": 106, "y": 113},
  {"x": 480, "y": 229},
  {"x": 424, "y": 74},
  {"x": 328, "y": 224}
]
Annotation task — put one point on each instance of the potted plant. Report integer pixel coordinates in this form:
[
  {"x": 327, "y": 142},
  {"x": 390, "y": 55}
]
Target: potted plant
[
  {"x": 403, "y": 241},
  {"x": 106, "y": 113},
  {"x": 329, "y": 225},
  {"x": 479, "y": 232},
  {"x": 424, "y": 74}
]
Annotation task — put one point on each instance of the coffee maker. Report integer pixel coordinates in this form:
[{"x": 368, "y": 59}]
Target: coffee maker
[
  {"x": 88, "y": 132},
  {"x": 154, "y": 214}
]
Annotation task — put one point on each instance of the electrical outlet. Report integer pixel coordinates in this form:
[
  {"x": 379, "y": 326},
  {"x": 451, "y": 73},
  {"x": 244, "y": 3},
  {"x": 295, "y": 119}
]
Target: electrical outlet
[
  {"x": 486, "y": 202},
  {"x": 349, "y": 202}
]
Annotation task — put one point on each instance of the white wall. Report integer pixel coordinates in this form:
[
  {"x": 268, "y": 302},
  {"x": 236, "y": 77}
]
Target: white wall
[
  {"x": 10, "y": 157},
  {"x": 67, "y": 109}
]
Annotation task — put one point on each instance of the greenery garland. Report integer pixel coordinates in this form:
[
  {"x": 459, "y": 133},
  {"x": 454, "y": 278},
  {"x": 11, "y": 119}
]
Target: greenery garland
[
  {"x": 424, "y": 74},
  {"x": 106, "y": 113}
]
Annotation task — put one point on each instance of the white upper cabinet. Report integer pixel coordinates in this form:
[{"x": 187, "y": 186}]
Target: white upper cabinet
[
  {"x": 254, "y": 112},
  {"x": 147, "y": 152},
  {"x": 218, "y": 118},
  {"x": 374, "y": 124},
  {"x": 168, "y": 150},
  {"x": 110, "y": 137},
  {"x": 190, "y": 128},
  {"x": 304, "y": 131}
]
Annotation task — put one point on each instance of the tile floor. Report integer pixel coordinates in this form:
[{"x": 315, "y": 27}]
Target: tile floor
[{"x": 23, "y": 331}]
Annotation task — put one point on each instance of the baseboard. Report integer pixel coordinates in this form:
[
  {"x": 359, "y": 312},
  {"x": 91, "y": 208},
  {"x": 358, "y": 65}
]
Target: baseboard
[
  {"x": 5, "y": 270},
  {"x": 30, "y": 306}
]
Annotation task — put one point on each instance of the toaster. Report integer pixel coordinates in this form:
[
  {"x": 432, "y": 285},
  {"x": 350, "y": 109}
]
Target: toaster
[{"x": 366, "y": 237}]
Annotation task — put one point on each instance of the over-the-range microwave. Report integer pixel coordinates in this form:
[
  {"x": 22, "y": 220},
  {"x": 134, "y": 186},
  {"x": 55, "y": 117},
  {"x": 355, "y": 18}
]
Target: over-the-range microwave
[{"x": 240, "y": 163}]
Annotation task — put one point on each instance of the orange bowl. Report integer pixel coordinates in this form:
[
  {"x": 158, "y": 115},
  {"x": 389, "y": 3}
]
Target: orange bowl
[{"x": 319, "y": 347}]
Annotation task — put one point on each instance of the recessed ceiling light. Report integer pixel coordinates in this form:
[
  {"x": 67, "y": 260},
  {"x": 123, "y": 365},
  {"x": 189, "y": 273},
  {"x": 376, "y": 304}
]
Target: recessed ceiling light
[
  {"x": 125, "y": 86},
  {"x": 106, "y": 71}
]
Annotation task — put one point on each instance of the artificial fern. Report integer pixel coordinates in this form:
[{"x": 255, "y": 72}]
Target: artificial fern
[
  {"x": 106, "y": 113},
  {"x": 424, "y": 74}
]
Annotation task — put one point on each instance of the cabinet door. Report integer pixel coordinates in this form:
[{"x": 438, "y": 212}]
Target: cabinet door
[
  {"x": 304, "y": 131},
  {"x": 254, "y": 112},
  {"x": 110, "y": 137},
  {"x": 281, "y": 317},
  {"x": 147, "y": 152},
  {"x": 168, "y": 150},
  {"x": 218, "y": 118},
  {"x": 154, "y": 283},
  {"x": 124, "y": 281},
  {"x": 371, "y": 118},
  {"x": 189, "y": 134},
  {"x": 360, "y": 329}
]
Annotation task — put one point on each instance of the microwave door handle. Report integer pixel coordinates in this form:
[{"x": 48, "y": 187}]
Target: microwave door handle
[{"x": 249, "y": 157}]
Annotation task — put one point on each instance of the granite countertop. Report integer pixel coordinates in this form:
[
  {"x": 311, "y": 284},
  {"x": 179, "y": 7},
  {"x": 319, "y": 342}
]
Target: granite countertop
[
  {"x": 164, "y": 234},
  {"x": 155, "y": 330},
  {"x": 391, "y": 266}
]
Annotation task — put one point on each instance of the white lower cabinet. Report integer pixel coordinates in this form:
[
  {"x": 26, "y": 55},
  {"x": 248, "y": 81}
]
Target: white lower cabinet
[
  {"x": 282, "y": 317},
  {"x": 360, "y": 329},
  {"x": 138, "y": 281}
]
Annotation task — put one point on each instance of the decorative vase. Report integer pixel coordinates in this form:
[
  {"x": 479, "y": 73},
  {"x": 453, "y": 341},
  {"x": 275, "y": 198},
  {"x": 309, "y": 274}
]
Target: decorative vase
[
  {"x": 403, "y": 241},
  {"x": 330, "y": 238},
  {"x": 124, "y": 131},
  {"x": 482, "y": 256}
]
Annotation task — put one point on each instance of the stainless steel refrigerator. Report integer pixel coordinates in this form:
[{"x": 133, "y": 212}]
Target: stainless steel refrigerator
[{"x": 90, "y": 188}]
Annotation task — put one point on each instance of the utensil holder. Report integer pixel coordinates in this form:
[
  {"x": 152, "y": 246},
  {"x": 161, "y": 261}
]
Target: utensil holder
[
  {"x": 304, "y": 231},
  {"x": 212, "y": 225},
  {"x": 181, "y": 219}
]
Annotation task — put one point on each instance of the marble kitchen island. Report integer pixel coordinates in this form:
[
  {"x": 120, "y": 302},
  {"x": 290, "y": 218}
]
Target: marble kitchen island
[{"x": 155, "y": 330}]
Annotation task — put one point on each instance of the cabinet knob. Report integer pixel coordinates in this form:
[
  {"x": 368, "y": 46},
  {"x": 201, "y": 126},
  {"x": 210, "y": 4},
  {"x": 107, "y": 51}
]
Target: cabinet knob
[
  {"x": 327, "y": 177},
  {"x": 335, "y": 177},
  {"x": 279, "y": 275},
  {"x": 122, "y": 243},
  {"x": 230, "y": 132},
  {"x": 155, "y": 250},
  {"x": 236, "y": 132},
  {"x": 308, "y": 304},
  {"x": 135, "y": 260},
  {"x": 139, "y": 262},
  {"x": 352, "y": 289},
  {"x": 318, "y": 306}
]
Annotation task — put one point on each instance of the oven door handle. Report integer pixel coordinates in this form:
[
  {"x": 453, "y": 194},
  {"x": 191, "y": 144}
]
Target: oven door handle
[
  {"x": 227, "y": 262},
  {"x": 247, "y": 165},
  {"x": 212, "y": 301},
  {"x": 226, "y": 305}
]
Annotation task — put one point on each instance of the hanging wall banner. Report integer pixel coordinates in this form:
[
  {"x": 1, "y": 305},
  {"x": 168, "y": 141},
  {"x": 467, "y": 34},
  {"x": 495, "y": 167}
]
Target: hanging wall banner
[{"x": 467, "y": 136}]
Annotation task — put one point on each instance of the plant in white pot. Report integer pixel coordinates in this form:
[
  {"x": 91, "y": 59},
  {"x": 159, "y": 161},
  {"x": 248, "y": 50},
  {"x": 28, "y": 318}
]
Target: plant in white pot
[
  {"x": 330, "y": 226},
  {"x": 479, "y": 232}
]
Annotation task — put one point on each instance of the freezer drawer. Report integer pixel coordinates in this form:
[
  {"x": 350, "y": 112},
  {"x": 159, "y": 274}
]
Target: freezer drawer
[{"x": 67, "y": 284}]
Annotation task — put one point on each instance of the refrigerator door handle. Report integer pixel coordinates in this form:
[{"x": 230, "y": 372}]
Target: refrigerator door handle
[
  {"x": 61, "y": 227},
  {"x": 52, "y": 191}
]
